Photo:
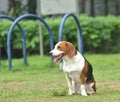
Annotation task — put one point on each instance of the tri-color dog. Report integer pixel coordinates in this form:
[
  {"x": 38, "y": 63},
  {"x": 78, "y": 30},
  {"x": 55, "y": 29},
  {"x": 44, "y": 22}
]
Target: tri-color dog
[{"x": 77, "y": 69}]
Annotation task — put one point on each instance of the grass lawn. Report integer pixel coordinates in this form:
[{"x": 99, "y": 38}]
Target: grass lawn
[{"x": 40, "y": 81}]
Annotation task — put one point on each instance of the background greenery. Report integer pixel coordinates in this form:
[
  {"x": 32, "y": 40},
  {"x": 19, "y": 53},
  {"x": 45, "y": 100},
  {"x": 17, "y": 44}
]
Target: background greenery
[{"x": 101, "y": 34}]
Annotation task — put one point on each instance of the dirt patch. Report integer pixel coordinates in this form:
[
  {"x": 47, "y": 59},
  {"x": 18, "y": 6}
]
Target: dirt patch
[
  {"x": 111, "y": 84},
  {"x": 15, "y": 85}
]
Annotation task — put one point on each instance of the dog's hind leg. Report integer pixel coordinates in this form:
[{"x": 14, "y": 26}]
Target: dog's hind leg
[{"x": 89, "y": 88}]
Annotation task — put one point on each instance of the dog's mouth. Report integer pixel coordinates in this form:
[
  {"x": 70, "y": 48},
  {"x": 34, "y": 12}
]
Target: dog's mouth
[{"x": 57, "y": 58}]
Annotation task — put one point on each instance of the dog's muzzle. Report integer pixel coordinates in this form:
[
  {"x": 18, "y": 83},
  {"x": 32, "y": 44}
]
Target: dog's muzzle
[{"x": 56, "y": 57}]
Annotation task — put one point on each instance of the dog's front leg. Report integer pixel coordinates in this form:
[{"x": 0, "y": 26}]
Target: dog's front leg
[
  {"x": 83, "y": 91},
  {"x": 70, "y": 85}
]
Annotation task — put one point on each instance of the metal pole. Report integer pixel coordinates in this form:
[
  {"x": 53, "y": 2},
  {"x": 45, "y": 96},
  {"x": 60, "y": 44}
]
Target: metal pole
[
  {"x": 77, "y": 15},
  {"x": 0, "y": 52},
  {"x": 0, "y": 56},
  {"x": 40, "y": 29}
]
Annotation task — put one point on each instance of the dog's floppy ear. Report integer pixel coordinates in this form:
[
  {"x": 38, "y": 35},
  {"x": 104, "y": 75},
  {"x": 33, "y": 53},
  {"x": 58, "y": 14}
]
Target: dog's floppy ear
[{"x": 70, "y": 49}]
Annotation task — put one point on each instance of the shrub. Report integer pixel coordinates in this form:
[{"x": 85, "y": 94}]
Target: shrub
[{"x": 100, "y": 34}]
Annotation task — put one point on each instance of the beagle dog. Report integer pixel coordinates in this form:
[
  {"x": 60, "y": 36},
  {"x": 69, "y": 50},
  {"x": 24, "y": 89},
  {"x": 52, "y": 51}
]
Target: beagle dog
[{"x": 77, "y": 69}]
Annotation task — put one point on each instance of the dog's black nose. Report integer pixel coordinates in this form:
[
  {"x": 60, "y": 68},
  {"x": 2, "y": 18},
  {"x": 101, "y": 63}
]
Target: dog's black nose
[{"x": 50, "y": 53}]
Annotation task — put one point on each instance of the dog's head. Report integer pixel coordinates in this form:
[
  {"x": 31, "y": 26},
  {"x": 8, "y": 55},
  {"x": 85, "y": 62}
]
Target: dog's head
[{"x": 62, "y": 48}]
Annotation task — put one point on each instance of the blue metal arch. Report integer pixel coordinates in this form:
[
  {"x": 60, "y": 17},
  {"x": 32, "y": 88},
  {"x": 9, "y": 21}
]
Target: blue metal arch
[
  {"x": 22, "y": 33},
  {"x": 79, "y": 29},
  {"x": 13, "y": 25}
]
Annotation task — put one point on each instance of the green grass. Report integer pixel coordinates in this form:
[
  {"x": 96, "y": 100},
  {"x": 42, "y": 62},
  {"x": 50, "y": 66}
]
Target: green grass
[{"x": 40, "y": 81}]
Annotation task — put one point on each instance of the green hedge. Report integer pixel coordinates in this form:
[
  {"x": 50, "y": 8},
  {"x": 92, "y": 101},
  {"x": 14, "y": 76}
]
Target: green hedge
[{"x": 100, "y": 34}]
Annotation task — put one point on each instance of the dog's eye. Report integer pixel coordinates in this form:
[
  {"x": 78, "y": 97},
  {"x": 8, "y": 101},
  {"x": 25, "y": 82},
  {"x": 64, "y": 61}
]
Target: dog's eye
[{"x": 58, "y": 47}]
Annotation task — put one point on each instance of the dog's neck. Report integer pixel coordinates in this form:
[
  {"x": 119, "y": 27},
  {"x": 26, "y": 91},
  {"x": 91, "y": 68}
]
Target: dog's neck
[
  {"x": 70, "y": 63},
  {"x": 66, "y": 58}
]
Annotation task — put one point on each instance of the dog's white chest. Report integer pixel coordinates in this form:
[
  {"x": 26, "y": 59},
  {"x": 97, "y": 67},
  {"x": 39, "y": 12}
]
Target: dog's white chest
[
  {"x": 74, "y": 75},
  {"x": 73, "y": 64}
]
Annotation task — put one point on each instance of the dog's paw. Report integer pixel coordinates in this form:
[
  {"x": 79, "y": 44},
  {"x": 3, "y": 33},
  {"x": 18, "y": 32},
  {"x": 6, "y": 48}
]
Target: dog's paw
[
  {"x": 83, "y": 93},
  {"x": 90, "y": 92},
  {"x": 71, "y": 92}
]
